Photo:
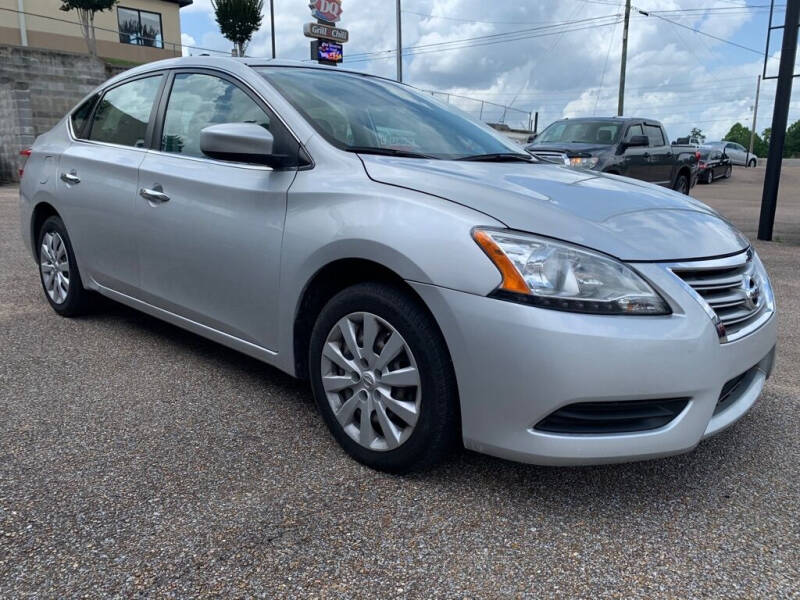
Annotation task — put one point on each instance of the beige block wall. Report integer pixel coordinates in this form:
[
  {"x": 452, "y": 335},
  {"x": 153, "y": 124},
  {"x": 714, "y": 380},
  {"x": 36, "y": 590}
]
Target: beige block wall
[{"x": 54, "y": 33}]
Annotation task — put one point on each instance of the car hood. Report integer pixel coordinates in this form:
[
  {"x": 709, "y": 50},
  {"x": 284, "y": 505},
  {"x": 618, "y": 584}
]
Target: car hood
[
  {"x": 629, "y": 219},
  {"x": 569, "y": 148}
]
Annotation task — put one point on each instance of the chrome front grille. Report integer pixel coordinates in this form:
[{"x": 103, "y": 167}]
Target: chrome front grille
[{"x": 732, "y": 292}]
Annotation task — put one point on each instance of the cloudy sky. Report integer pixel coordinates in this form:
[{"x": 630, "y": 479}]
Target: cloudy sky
[{"x": 557, "y": 57}]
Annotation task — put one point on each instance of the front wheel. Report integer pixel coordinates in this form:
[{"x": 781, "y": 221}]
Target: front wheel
[
  {"x": 382, "y": 378},
  {"x": 682, "y": 184},
  {"x": 752, "y": 163}
]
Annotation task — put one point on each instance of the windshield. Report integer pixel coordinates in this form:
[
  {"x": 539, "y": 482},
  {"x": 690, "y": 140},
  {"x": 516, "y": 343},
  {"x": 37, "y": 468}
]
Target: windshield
[
  {"x": 361, "y": 113},
  {"x": 580, "y": 132}
]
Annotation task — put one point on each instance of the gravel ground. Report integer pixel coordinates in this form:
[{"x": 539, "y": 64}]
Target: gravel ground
[{"x": 140, "y": 460}]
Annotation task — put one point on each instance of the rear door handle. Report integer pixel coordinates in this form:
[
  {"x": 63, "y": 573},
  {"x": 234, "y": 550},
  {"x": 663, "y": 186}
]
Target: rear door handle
[
  {"x": 70, "y": 177},
  {"x": 154, "y": 195}
]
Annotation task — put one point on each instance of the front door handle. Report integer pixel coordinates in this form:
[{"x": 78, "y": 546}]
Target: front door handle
[
  {"x": 70, "y": 177},
  {"x": 156, "y": 194}
]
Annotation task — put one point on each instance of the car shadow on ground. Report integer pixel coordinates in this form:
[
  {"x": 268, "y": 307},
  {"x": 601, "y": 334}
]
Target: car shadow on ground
[{"x": 711, "y": 471}]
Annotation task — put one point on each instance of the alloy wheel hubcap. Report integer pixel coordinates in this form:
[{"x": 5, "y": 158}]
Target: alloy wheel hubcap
[
  {"x": 54, "y": 265},
  {"x": 371, "y": 381}
]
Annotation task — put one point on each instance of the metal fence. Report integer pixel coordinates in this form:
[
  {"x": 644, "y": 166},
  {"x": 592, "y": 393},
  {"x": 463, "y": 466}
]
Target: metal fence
[{"x": 489, "y": 112}]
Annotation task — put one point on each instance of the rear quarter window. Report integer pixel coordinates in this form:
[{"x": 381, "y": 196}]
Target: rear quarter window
[{"x": 80, "y": 116}]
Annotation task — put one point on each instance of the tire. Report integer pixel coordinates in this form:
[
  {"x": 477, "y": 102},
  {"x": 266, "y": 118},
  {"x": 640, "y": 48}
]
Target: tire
[
  {"x": 709, "y": 178},
  {"x": 728, "y": 172},
  {"x": 681, "y": 184},
  {"x": 58, "y": 270},
  {"x": 753, "y": 163},
  {"x": 398, "y": 429}
]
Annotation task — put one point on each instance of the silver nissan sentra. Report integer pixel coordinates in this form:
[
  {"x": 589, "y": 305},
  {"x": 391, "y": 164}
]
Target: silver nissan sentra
[{"x": 435, "y": 283}]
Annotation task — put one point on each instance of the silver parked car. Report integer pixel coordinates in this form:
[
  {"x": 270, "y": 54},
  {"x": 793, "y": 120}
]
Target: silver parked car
[
  {"x": 736, "y": 152},
  {"x": 434, "y": 283}
]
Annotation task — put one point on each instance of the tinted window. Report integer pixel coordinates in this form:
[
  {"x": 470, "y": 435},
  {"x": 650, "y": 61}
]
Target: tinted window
[
  {"x": 582, "y": 132},
  {"x": 139, "y": 27},
  {"x": 197, "y": 101},
  {"x": 124, "y": 112},
  {"x": 632, "y": 131},
  {"x": 80, "y": 117},
  {"x": 351, "y": 110},
  {"x": 653, "y": 133}
]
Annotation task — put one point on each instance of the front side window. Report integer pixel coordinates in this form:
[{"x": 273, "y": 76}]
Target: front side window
[
  {"x": 80, "y": 116},
  {"x": 124, "y": 112},
  {"x": 632, "y": 131},
  {"x": 653, "y": 133},
  {"x": 580, "y": 132},
  {"x": 368, "y": 114},
  {"x": 139, "y": 27},
  {"x": 197, "y": 101}
]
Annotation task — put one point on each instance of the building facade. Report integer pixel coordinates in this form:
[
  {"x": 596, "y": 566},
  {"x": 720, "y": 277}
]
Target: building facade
[{"x": 134, "y": 31}]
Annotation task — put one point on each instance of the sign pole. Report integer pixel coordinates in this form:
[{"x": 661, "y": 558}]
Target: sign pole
[
  {"x": 272, "y": 24},
  {"x": 399, "y": 44},
  {"x": 780, "y": 116}
]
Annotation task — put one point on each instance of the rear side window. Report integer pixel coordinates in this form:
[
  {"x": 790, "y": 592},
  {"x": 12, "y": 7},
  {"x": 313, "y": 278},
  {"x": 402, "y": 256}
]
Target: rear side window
[
  {"x": 653, "y": 133},
  {"x": 124, "y": 113},
  {"x": 198, "y": 100},
  {"x": 80, "y": 116}
]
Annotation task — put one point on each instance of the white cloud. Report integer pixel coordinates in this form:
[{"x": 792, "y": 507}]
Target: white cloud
[
  {"x": 186, "y": 42},
  {"x": 673, "y": 75}
]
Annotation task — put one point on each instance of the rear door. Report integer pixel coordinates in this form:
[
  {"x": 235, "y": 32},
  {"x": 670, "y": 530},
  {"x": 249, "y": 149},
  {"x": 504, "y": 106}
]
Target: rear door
[
  {"x": 737, "y": 154},
  {"x": 210, "y": 252},
  {"x": 98, "y": 175}
]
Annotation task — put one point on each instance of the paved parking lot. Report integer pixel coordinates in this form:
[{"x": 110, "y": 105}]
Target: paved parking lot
[{"x": 137, "y": 459}]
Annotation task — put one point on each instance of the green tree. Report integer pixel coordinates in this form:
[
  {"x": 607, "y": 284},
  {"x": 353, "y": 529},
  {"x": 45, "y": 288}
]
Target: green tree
[
  {"x": 697, "y": 133},
  {"x": 238, "y": 20},
  {"x": 791, "y": 147},
  {"x": 86, "y": 10}
]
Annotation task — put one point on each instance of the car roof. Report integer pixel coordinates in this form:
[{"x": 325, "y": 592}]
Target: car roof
[{"x": 233, "y": 64}]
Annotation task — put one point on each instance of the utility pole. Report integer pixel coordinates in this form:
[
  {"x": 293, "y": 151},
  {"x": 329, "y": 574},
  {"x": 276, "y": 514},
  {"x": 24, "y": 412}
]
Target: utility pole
[
  {"x": 399, "y": 44},
  {"x": 780, "y": 116},
  {"x": 755, "y": 116},
  {"x": 272, "y": 24},
  {"x": 621, "y": 102}
]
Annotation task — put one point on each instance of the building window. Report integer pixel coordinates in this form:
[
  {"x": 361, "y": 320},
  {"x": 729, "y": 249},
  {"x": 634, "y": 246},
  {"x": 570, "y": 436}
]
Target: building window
[{"x": 139, "y": 27}]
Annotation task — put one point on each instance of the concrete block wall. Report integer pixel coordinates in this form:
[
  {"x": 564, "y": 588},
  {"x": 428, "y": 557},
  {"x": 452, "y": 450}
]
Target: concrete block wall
[{"x": 37, "y": 88}]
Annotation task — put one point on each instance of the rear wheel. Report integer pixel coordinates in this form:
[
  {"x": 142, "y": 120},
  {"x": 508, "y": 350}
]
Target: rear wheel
[
  {"x": 58, "y": 270},
  {"x": 709, "y": 178},
  {"x": 682, "y": 184},
  {"x": 728, "y": 172},
  {"x": 382, "y": 378}
]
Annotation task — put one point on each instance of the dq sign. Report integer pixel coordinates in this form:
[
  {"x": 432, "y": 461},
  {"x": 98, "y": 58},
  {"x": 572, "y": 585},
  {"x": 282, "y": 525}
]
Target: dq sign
[{"x": 326, "y": 10}]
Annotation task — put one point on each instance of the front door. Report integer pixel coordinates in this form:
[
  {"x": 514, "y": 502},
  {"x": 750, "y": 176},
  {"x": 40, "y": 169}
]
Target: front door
[{"x": 211, "y": 236}]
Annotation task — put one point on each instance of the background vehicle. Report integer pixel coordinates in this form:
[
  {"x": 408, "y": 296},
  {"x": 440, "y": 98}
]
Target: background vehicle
[
  {"x": 713, "y": 164},
  {"x": 432, "y": 281},
  {"x": 736, "y": 152},
  {"x": 637, "y": 148}
]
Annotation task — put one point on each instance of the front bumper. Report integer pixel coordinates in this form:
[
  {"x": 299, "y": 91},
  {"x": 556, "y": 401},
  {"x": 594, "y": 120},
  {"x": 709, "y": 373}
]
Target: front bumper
[{"x": 517, "y": 364}]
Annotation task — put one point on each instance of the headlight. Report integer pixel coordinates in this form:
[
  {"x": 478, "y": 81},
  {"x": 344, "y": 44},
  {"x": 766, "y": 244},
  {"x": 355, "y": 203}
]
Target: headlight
[
  {"x": 560, "y": 276},
  {"x": 583, "y": 163},
  {"x": 766, "y": 295}
]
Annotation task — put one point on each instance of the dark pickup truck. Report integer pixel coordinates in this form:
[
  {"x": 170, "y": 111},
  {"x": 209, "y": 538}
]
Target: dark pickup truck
[{"x": 637, "y": 148}]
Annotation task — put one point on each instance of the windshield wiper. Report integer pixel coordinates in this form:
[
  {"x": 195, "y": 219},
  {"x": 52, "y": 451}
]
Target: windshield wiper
[
  {"x": 499, "y": 157},
  {"x": 387, "y": 152}
]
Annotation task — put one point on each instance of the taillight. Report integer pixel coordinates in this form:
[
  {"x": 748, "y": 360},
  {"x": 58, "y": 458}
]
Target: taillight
[
  {"x": 697, "y": 154},
  {"x": 24, "y": 154}
]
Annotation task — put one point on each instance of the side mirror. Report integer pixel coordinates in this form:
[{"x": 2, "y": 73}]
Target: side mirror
[
  {"x": 637, "y": 141},
  {"x": 241, "y": 142}
]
